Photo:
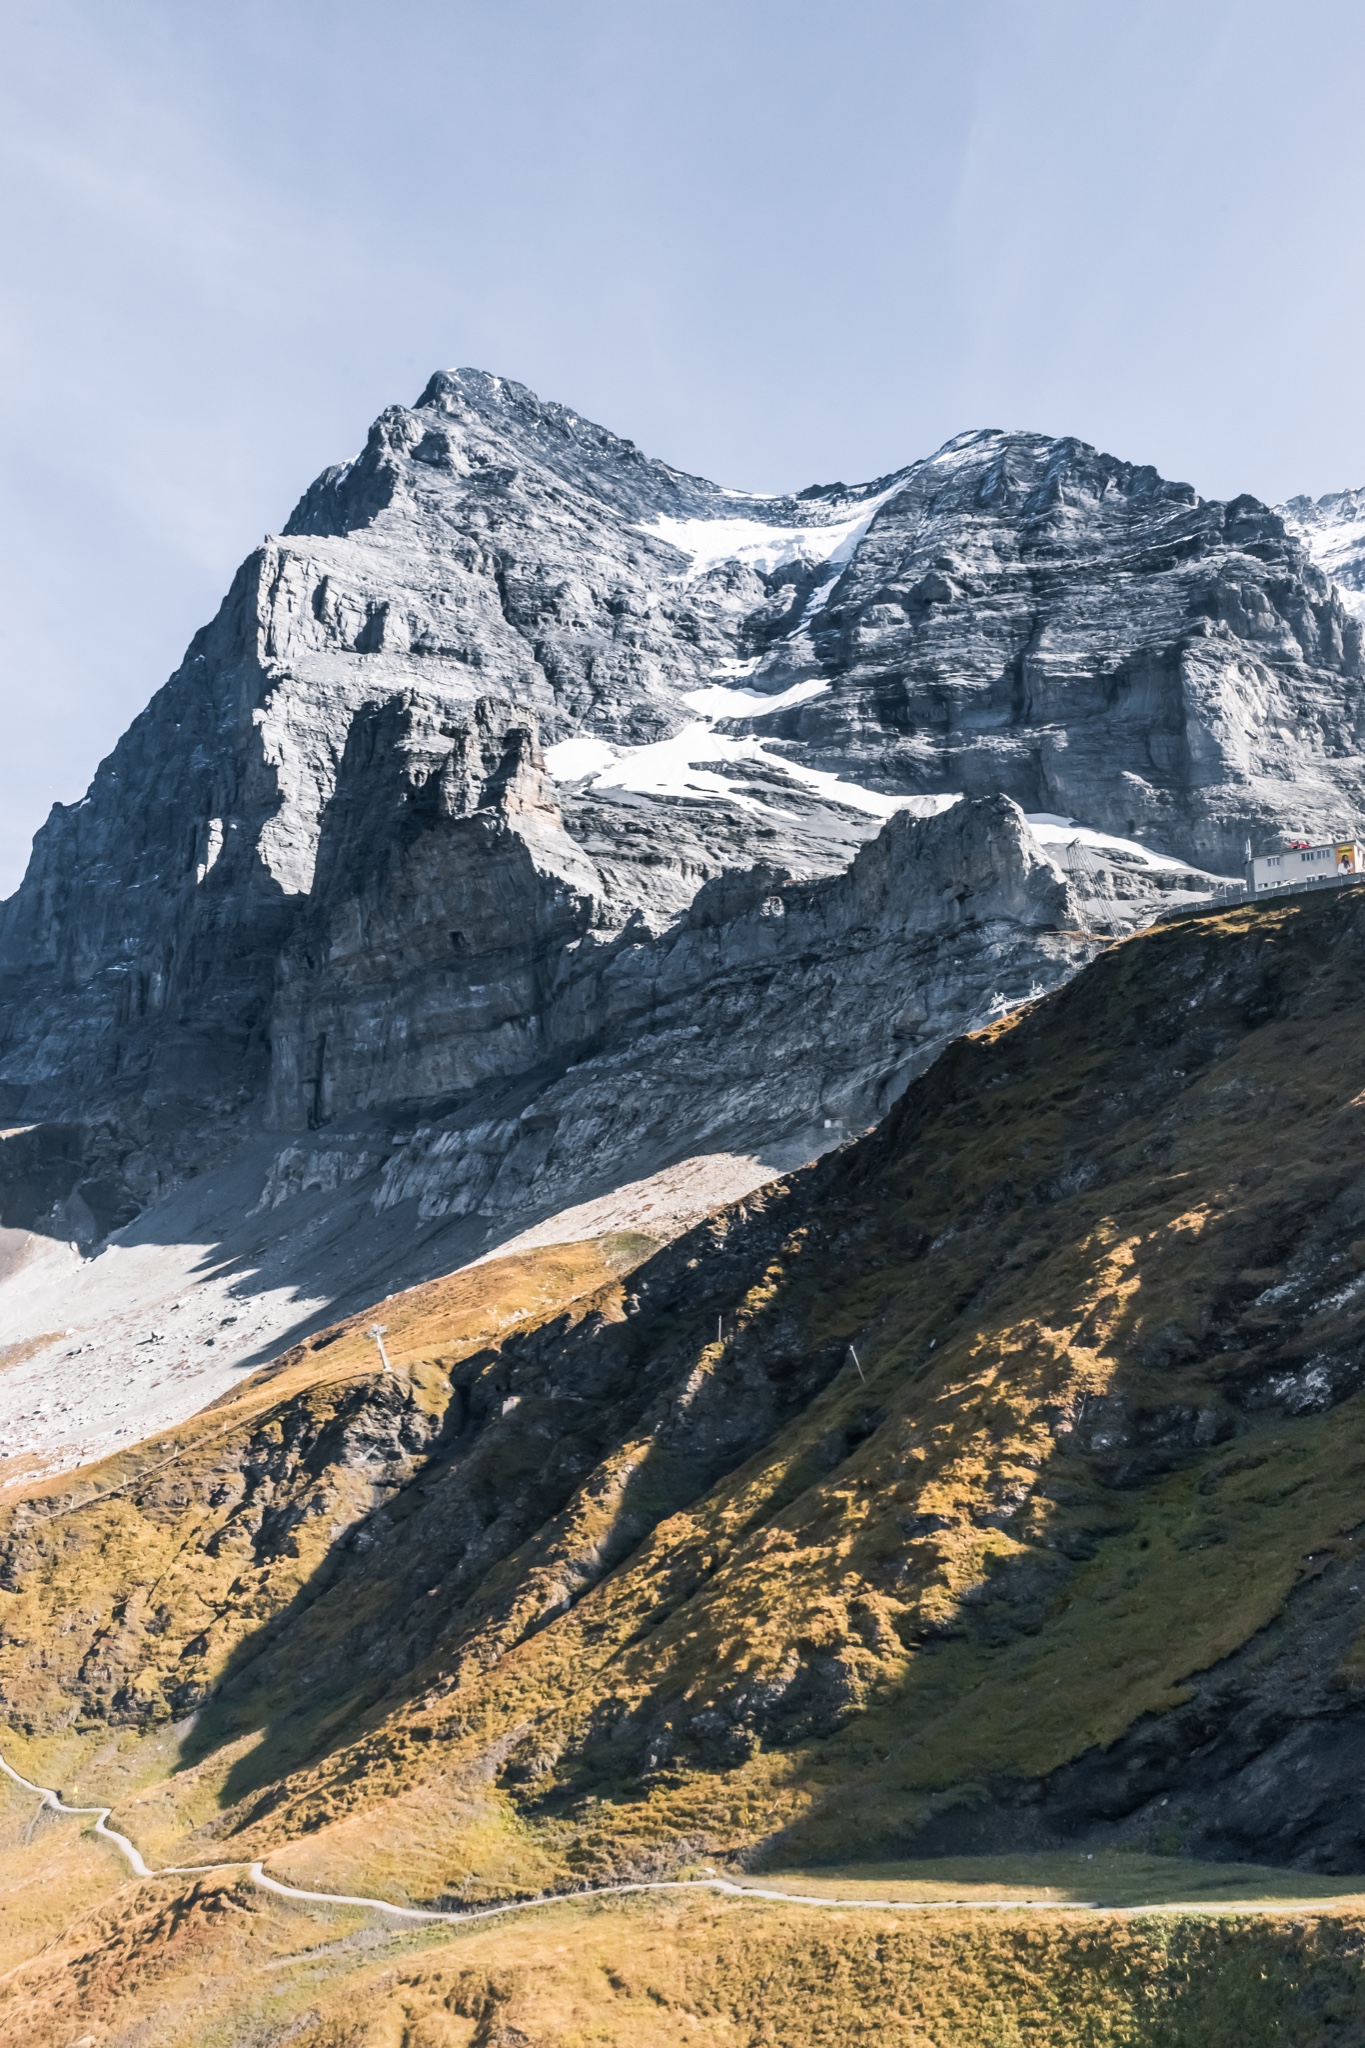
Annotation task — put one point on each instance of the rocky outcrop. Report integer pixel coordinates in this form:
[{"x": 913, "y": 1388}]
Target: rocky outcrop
[
  {"x": 1332, "y": 529},
  {"x": 602, "y": 1056},
  {"x": 777, "y": 1017},
  {"x": 445, "y": 897},
  {"x": 1260, "y": 1763}
]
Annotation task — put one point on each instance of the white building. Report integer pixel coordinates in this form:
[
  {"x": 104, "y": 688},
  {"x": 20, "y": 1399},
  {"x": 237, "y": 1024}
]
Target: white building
[{"x": 1339, "y": 860}]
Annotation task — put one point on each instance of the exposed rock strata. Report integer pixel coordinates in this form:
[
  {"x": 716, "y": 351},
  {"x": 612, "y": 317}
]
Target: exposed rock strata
[
  {"x": 776, "y": 1017},
  {"x": 1030, "y": 616}
]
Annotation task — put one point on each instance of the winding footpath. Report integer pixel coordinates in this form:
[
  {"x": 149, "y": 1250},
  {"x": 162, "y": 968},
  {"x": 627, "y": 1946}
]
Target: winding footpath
[{"x": 132, "y": 1855}]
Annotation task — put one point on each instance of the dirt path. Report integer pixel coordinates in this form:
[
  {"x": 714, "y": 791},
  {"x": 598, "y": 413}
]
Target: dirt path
[{"x": 257, "y": 1873}]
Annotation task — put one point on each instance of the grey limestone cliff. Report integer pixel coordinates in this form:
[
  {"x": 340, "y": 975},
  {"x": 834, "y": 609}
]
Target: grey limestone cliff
[
  {"x": 505, "y": 823},
  {"x": 1031, "y": 616},
  {"x": 775, "y": 1017}
]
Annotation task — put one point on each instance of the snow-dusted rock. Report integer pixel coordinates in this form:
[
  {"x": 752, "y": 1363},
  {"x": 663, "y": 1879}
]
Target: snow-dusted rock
[
  {"x": 1031, "y": 616},
  {"x": 1333, "y": 531}
]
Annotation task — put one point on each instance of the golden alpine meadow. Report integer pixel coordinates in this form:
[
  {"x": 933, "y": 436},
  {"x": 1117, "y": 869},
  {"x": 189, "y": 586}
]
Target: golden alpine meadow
[{"x": 960, "y": 1532}]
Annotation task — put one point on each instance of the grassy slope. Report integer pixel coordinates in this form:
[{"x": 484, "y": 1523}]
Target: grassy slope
[
  {"x": 953, "y": 1571},
  {"x": 214, "y": 1966},
  {"x": 161, "y": 1560},
  {"x": 633, "y": 1591}
]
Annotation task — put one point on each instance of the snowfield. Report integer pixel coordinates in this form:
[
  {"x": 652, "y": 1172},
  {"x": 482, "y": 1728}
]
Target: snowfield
[{"x": 708, "y": 542}]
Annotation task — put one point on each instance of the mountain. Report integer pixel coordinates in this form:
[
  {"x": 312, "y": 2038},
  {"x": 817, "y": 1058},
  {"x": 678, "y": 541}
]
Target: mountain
[
  {"x": 991, "y": 1484},
  {"x": 1024, "y": 1430},
  {"x": 534, "y": 819},
  {"x": 743, "y": 997}
]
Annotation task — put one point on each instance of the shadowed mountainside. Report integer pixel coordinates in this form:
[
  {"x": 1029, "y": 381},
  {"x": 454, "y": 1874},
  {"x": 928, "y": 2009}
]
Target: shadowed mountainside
[{"x": 1067, "y": 1554}]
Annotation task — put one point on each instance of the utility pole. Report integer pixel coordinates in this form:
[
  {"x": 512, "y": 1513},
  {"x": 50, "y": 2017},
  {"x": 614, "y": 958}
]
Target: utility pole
[
  {"x": 379, "y": 1331},
  {"x": 854, "y": 1356}
]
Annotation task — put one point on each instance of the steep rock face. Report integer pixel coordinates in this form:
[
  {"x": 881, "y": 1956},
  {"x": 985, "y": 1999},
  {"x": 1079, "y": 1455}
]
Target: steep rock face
[
  {"x": 613, "y": 1052},
  {"x": 776, "y": 1018},
  {"x": 1332, "y": 529},
  {"x": 321, "y": 876},
  {"x": 460, "y": 556},
  {"x": 446, "y": 890},
  {"x": 137, "y": 960},
  {"x": 457, "y": 937},
  {"x": 1031, "y": 616}
]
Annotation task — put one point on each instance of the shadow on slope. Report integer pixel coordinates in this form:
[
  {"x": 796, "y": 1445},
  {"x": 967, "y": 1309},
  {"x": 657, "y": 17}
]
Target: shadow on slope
[
  {"x": 646, "y": 1588},
  {"x": 1000, "y": 1550}
]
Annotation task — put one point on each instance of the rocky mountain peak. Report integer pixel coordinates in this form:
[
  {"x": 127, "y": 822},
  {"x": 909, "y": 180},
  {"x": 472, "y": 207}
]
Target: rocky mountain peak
[
  {"x": 413, "y": 836},
  {"x": 562, "y": 441}
]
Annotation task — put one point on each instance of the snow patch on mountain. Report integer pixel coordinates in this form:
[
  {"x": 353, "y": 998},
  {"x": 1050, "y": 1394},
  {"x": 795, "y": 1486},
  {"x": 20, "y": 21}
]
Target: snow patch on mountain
[
  {"x": 676, "y": 767},
  {"x": 1053, "y": 830},
  {"x": 708, "y": 542},
  {"x": 570, "y": 760},
  {"x": 720, "y": 700},
  {"x": 1332, "y": 529}
]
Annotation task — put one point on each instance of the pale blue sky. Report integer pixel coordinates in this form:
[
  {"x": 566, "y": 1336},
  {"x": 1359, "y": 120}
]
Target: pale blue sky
[{"x": 773, "y": 241}]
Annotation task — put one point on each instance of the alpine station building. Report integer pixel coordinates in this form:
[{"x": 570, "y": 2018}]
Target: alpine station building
[{"x": 1301, "y": 866}]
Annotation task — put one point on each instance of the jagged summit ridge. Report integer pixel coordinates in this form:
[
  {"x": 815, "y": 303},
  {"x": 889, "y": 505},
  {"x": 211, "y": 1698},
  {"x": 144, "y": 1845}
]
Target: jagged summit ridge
[{"x": 461, "y": 410}]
